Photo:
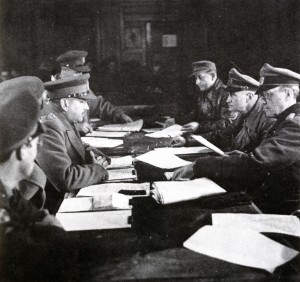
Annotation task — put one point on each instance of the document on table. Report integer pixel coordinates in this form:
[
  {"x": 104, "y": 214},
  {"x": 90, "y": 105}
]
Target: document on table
[
  {"x": 94, "y": 220},
  {"x": 171, "y": 131},
  {"x": 76, "y": 204},
  {"x": 108, "y": 134},
  {"x": 185, "y": 150},
  {"x": 102, "y": 142},
  {"x": 162, "y": 160},
  {"x": 241, "y": 246},
  {"x": 209, "y": 145},
  {"x": 102, "y": 193},
  {"x": 127, "y": 127},
  {"x": 285, "y": 224},
  {"x": 121, "y": 162},
  {"x": 121, "y": 174},
  {"x": 167, "y": 192}
]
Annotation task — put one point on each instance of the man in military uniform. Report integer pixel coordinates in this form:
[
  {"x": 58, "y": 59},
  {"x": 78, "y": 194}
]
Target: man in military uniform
[
  {"x": 68, "y": 164},
  {"x": 28, "y": 236},
  {"x": 211, "y": 107},
  {"x": 31, "y": 188},
  {"x": 271, "y": 171},
  {"x": 73, "y": 63}
]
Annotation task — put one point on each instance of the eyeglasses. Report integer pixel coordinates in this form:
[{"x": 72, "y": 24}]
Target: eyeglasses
[{"x": 39, "y": 130}]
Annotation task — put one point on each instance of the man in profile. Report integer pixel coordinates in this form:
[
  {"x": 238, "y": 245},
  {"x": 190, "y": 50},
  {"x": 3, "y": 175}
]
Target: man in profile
[{"x": 68, "y": 163}]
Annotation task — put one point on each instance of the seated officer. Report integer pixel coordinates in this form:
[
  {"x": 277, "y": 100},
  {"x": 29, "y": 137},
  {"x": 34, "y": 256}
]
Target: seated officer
[
  {"x": 68, "y": 164},
  {"x": 271, "y": 171},
  {"x": 28, "y": 236},
  {"x": 252, "y": 124},
  {"x": 31, "y": 188},
  {"x": 211, "y": 111},
  {"x": 73, "y": 63}
]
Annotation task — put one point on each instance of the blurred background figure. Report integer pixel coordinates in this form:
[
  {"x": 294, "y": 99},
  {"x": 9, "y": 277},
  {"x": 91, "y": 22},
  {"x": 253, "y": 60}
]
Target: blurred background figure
[
  {"x": 5, "y": 75},
  {"x": 44, "y": 71}
]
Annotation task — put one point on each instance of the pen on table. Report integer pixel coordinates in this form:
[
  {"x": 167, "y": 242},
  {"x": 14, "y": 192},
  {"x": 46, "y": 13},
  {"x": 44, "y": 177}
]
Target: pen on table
[{"x": 170, "y": 141}]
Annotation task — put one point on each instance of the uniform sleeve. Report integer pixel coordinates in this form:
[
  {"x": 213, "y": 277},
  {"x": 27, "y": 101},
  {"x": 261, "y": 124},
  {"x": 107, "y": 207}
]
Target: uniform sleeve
[
  {"x": 100, "y": 108},
  {"x": 58, "y": 167},
  {"x": 222, "y": 118},
  {"x": 279, "y": 151}
]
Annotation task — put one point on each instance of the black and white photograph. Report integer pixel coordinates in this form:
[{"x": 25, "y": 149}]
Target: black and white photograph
[{"x": 149, "y": 140}]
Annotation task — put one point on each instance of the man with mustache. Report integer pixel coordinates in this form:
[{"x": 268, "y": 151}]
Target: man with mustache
[
  {"x": 68, "y": 163},
  {"x": 270, "y": 172}
]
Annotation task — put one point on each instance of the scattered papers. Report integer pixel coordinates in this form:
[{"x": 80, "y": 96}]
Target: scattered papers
[
  {"x": 102, "y": 193},
  {"x": 108, "y": 134},
  {"x": 285, "y": 224},
  {"x": 167, "y": 192},
  {"x": 162, "y": 160},
  {"x": 121, "y": 162},
  {"x": 102, "y": 142},
  {"x": 209, "y": 145},
  {"x": 94, "y": 220},
  {"x": 185, "y": 150},
  {"x": 121, "y": 174},
  {"x": 240, "y": 246},
  {"x": 129, "y": 127},
  {"x": 76, "y": 204},
  {"x": 171, "y": 131}
]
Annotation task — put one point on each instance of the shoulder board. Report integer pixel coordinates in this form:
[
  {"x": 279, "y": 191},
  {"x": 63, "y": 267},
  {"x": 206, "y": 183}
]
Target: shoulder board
[{"x": 50, "y": 116}]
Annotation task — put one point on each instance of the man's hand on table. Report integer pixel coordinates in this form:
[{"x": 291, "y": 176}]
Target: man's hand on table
[
  {"x": 178, "y": 141},
  {"x": 190, "y": 127},
  {"x": 99, "y": 160},
  {"x": 184, "y": 173},
  {"x": 84, "y": 127}
]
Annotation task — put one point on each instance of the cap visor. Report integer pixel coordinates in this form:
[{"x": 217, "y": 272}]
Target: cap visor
[
  {"x": 82, "y": 68},
  {"x": 90, "y": 96},
  {"x": 264, "y": 87}
]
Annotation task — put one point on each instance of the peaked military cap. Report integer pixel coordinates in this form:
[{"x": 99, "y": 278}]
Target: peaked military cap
[
  {"x": 70, "y": 87},
  {"x": 74, "y": 59},
  {"x": 239, "y": 82},
  {"x": 203, "y": 66},
  {"x": 30, "y": 84},
  {"x": 271, "y": 77},
  {"x": 19, "y": 111}
]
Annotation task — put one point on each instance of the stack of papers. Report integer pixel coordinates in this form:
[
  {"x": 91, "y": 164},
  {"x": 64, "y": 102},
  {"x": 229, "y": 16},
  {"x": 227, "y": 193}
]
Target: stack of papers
[
  {"x": 76, "y": 204},
  {"x": 163, "y": 160},
  {"x": 241, "y": 246},
  {"x": 124, "y": 174},
  {"x": 168, "y": 192},
  {"x": 121, "y": 162},
  {"x": 171, "y": 131},
  {"x": 127, "y": 127},
  {"x": 108, "y": 134},
  {"x": 102, "y": 142}
]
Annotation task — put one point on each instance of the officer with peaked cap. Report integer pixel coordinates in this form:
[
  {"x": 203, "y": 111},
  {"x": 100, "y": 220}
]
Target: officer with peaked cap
[
  {"x": 211, "y": 108},
  {"x": 73, "y": 63},
  {"x": 31, "y": 188},
  {"x": 253, "y": 125},
  {"x": 68, "y": 163},
  {"x": 271, "y": 172}
]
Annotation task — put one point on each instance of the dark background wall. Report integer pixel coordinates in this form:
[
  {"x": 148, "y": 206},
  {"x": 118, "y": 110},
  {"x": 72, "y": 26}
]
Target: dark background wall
[{"x": 246, "y": 32}]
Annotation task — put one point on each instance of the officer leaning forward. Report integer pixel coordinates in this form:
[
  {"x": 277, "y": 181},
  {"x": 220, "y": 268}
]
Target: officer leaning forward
[{"x": 271, "y": 172}]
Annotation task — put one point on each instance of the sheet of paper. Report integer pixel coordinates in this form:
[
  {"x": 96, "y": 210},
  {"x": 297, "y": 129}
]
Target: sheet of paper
[
  {"x": 121, "y": 174},
  {"x": 108, "y": 134},
  {"x": 162, "y": 160},
  {"x": 121, "y": 162},
  {"x": 209, "y": 145},
  {"x": 151, "y": 130},
  {"x": 240, "y": 246},
  {"x": 102, "y": 142},
  {"x": 185, "y": 150},
  {"x": 102, "y": 193},
  {"x": 76, "y": 204},
  {"x": 167, "y": 192},
  {"x": 132, "y": 126},
  {"x": 171, "y": 131},
  {"x": 94, "y": 220},
  {"x": 285, "y": 224}
]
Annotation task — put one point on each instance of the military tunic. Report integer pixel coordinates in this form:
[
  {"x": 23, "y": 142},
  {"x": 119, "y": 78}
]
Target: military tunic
[
  {"x": 255, "y": 127},
  {"x": 271, "y": 172},
  {"x": 63, "y": 157}
]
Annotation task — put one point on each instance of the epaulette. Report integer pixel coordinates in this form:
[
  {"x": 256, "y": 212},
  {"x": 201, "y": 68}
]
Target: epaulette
[{"x": 50, "y": 116}]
